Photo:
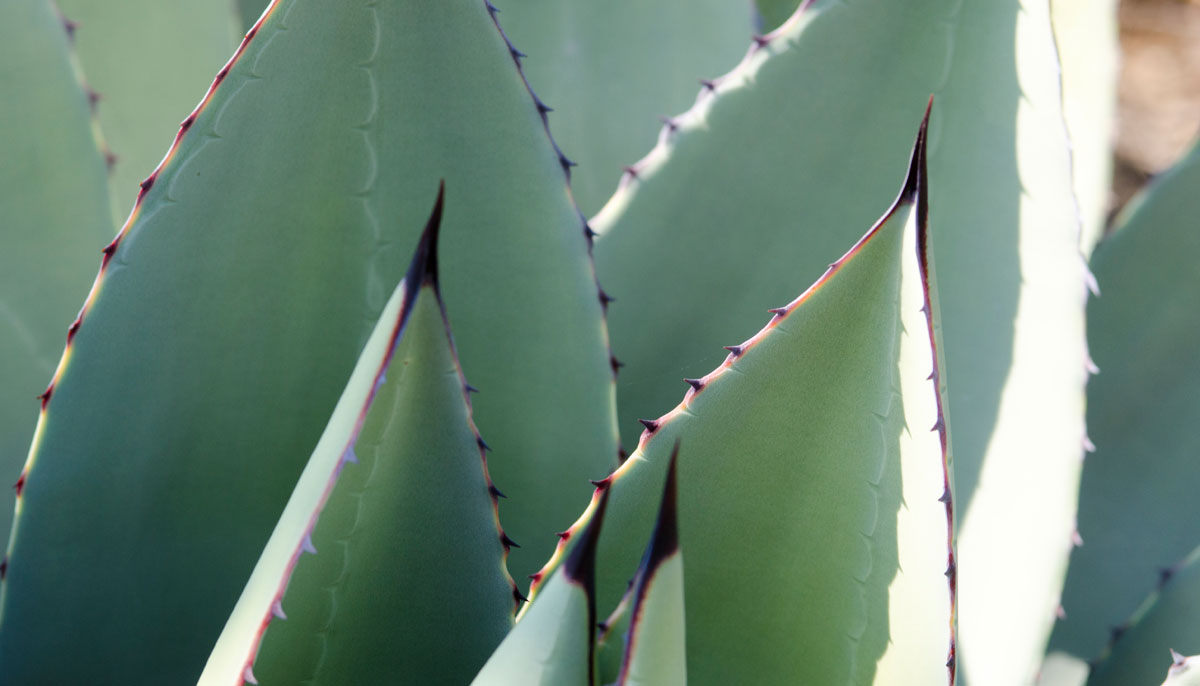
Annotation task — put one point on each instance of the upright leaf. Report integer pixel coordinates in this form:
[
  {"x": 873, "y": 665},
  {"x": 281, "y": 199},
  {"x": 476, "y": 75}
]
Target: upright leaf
[
  {"x": 814, "y": 500},
  {"x": 556, "y": 642},
  {"x": 387, "y": 563},
  {"x": 230, "y": 311},
  {"x": 55, "y": 213},
  {"x": 1085, "y": 32},
  {"x": 770, "y": 155},
  {"x": 1138, "y": 512},
  {"x": 611, "y": 70},
  {"x": 148, "y": 62},
  {"x": 656, "y": 641}
]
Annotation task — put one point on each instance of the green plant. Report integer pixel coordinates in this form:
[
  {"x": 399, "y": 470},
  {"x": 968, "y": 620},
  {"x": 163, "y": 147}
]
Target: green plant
[{"x": 204, "y": 387}]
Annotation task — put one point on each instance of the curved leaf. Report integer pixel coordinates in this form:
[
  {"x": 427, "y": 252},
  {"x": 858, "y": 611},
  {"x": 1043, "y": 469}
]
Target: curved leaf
[
  {"x": 148, "y": 61},
  {"x": 1137, "y": 509},
  {"x": 611, "y": 70},
  {"x": 396, "y": 493},
  {"x": 55, "y": 206},
  {"x": 683, "y": 240},
  {"x": 1166, "y": 621},
  {"x": 655, "y": 645},
  {"x": 556, "y": 641},
  {"x": 797, "y": 464},
  {"x": 231, "y": 309}
]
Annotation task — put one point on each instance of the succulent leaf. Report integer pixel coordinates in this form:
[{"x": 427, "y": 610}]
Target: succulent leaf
[
  {"x": 247, "y": 12},
  {"x": 54, "y": 204},
  {"x": 1138, "y": 513},
  {"x": 249, "y": 309},
  {"x": 611, "y": 70},
  {"x": 1085, "y": 32},
  {"x": 1166, "y": 620},
  {"x": 555, "y": 643},
  {"x": 148, "y": 62},
  {"x": 773, "y": 13},
  {"x": 387, "y": 560},
  {"x": 684, "y": 238},
  {"x": 797, "y": 444},
  {"x": 1184, "y": 671},
  {"x": 655, "y": 645}
]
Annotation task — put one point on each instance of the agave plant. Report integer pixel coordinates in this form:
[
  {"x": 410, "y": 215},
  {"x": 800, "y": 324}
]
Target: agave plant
[{"x": 254, "y": 465}]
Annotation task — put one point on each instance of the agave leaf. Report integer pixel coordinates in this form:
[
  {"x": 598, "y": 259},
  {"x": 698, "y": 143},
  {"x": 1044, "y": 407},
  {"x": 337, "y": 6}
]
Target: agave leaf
[
  {"x": 1137, "y": 511},
  {"x": 1166, "y": 620},
  {"x": 772, "y": 13},
  {"x": 1184, "y": 671},
  {"x": 233, "y": 306},
  {"x": 148, "y": 61},
  {"x": 681, "y": 246},
  {"x": 1085, "y": 32},
  {"x": 611, "y": 70},
  {"x": 247, "y": 12},
  {"x": 395, "y": 491},
  {"x": 55, "y": 206},
  {"x": 556, "y": 642},
  {"x": 655, "y": 645},
  {"x": 798, "y": 443}
]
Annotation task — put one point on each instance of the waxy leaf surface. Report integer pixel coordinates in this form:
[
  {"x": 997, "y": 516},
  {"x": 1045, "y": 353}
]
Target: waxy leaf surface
[
  {"x": 610, "y": 70},
  {"x": 813, "y": 483},
  {"x": 232, "y": 309},
  {"x": 148, "y": 62},
  {"x": 793, "y": 150},
  {"x": 388, "y": 560},
  {"x": 1138, "y": 513},
  {"x": 54, "y": 205}
]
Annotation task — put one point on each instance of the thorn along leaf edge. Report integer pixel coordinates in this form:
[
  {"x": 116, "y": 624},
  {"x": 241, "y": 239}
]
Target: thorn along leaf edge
[{"x": 914, "y": 192}]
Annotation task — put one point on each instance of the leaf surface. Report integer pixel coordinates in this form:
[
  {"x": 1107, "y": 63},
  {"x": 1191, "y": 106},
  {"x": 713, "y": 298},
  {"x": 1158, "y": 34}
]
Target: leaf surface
[
  {"x": 788, "y": 153},
  {"x": 656, "y": 641},
  {"x": 1138, "y": 513},
  {"x": 55, "y": 206},
  {"x": 556, "y": 641},
  {"x": 1165, "y": 621},
  {"x": 235, "y": 303},
  {"x": 387, "y": 560},
  {"x": 148, "y": 61},
  {"x": 610, "y": 70},
  {"x": 800, "y": 449}
]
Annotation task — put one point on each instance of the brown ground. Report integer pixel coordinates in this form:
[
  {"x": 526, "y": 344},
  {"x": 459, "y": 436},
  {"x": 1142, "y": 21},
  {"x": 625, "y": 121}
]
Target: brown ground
[{"x": 1158, "y": 95}]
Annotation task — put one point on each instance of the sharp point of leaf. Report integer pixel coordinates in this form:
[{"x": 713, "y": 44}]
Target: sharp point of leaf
[
  {"x": 495, "y": 492},
  {"x": 508, "y": 542},
  {"x": 761, "y": 41},
  {"x": 482, "y": 443},
  {"x": 915, "y": 179},
  {"x": 1177, "y": 659},
  {"x": 470, "y": 389},
  {"x": 424, "y": 267},
  {"x": 666, "y": 532},
  {"x": 69, "y": 27},
  {"x": 650, "y": 424},
  {"x": 709, "y": 85},
  {"x": 696, "y": 384},
  {"x": 736, "y": 350}
]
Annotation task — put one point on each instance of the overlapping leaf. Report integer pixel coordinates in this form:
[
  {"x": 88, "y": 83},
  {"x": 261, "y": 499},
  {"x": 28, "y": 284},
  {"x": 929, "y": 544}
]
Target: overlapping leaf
[
  {"x": 610, "y": 70},
  {"x": 387, "y": 562},
  {"x": 682, "y": 246},
  {"x": 230, "y": 312},
  {"x": 148, "y": 62},
  {"x": 54, "y": 205},
  {"x": 1166, "y": 621},
  {"x": 1138, "y": 512},
  {"x": 814, "y": 499}
]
